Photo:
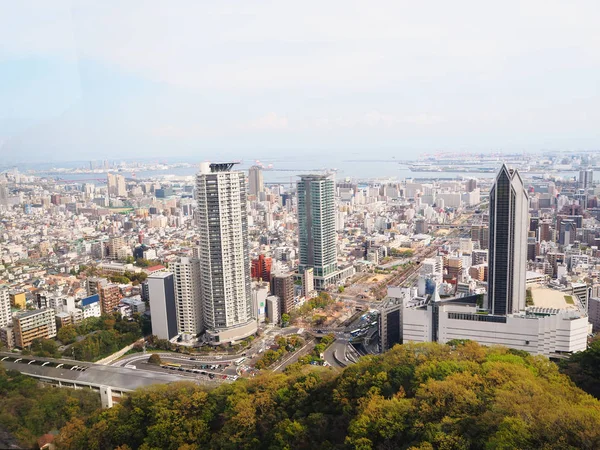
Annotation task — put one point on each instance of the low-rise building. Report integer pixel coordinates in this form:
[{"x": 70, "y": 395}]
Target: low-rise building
[{"x": 30, "y": 325}]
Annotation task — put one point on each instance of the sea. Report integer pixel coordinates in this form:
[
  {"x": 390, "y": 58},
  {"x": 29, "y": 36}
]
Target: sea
[{"x": 276, "y": 171}]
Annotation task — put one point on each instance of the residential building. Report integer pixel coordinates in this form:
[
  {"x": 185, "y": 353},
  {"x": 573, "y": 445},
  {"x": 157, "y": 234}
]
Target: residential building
[
  {"x": 110, "y": 297},
  {"x": 90, "y": 306},
  {"x": 116, "y": 185},
  {"x": 5, "y": 314},
  {"x": 308, "y": 283},
  {"x": 7, "y": 337},
  {"x": 316, "y": 228},
  {"x": 480, "y": 233},
  {"x": 188, "y": 300},
  {"x": 114, "y": 245},
  {"x": 272, "y": 309},
  {"x": 163, "y": 309},
  {"x": 30, "y": 325},
  {"x": 283, "y": 288},
  {"x": 223, "y": 253}
]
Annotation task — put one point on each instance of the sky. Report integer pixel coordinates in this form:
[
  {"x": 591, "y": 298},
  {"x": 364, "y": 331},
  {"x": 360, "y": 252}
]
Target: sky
[{"x": 256, "y": 79}]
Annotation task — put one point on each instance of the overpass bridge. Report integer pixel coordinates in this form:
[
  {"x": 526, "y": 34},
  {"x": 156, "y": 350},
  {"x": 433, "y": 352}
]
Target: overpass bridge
[{"x": 112, "y": 383}]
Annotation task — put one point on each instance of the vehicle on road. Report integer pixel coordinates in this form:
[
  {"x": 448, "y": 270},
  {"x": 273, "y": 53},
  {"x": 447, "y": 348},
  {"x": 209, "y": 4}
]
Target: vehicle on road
[{"x": 239, "y": 361}]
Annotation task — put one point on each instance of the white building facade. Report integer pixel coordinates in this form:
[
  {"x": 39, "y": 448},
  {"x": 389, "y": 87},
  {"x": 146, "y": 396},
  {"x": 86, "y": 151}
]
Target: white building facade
[{"x": 223, "y": 253}]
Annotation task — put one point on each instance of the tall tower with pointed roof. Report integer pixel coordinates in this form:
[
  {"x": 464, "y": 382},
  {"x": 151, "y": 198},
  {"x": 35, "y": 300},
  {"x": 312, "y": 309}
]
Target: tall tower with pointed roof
[{"x": 507, "y": 243}]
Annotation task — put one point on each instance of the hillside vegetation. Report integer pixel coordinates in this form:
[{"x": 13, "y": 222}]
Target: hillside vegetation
[{"x": 417, "y": 396}]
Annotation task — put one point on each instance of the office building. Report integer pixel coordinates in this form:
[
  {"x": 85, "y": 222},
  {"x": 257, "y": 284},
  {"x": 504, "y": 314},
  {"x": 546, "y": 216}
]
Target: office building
[
  {"x": 390, "y": 321},
  {"x": 5, "y": 314},
  {"x": 256, "y": 184},
  {"x": 586, "y": 178},
  {"x": 163, "y": 312},
  {"x": 567, "y": 232},
  {"x": 316, "y": 225},
  {"x": 507, "y": 243},
  {"x": 222, "y": 222},
  {"x": 540, "y": 331},
  {"x": 36, "y": 324},
  {"x": 187, "y": 295}
]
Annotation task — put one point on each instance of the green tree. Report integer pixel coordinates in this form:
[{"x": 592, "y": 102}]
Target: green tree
[
  {"x": 67, "y": 334},
  {"x": 154, "y": 359},
  {"x": 285, "y": 319}
]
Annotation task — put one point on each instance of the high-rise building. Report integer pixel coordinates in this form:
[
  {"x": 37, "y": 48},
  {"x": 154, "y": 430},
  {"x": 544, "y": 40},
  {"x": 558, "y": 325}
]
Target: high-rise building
[
  {"x": 5, "y": 315},
  {"x": 116, "y": 185},
  {"x": 187, "y": 295},
  {"x": 163, "y": 312},
  {"x": 471, "y": 185},
  {"x": 507, "y": 243},
  {"x": 316, "y": 225},
  {"x": 567, "y": 232},
  {"x": 586, "y": 178},
  {"x": 110, "y": 297},
  {"x": 261, "y": 268},
  {"x": 222, "y": 222},
  {"x": 283, "y": 288},
  {"x": 480, "y": 233},
  {"x": 256, "y": 184},
  {"x": 3, "y": 194},
  {"x": 114, "y": 245}
]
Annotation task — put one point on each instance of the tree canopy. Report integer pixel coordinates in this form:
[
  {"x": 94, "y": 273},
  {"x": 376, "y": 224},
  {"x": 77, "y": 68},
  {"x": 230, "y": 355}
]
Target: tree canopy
[{"x": 416, "y": 396}]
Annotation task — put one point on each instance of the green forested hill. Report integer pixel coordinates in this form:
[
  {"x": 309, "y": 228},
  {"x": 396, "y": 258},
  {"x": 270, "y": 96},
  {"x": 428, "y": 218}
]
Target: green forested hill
[{"x": 421, "y": 396}]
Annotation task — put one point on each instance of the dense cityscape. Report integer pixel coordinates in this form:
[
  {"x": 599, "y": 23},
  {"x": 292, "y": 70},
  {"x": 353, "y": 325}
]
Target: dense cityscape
[
  {"x": 300, "y": 225},
  {"x": 123, "y": 283}
]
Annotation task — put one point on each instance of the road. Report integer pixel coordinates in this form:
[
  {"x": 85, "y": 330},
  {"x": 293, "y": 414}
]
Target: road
[
  {"x": 338, "y": 348},
  {"x": 294, "y": 357}
]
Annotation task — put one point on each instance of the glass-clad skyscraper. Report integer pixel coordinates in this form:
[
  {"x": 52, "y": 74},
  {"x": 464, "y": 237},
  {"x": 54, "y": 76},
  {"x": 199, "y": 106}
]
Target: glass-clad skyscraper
[
  {"x": 507, "y": 243},
  {"x": 316, "y": 224}
]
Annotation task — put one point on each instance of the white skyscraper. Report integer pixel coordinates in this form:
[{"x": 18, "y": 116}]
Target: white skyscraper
[
  {"x": 507, "y": 243},
  {"x": 223, "y": 253},
  {"x": 188, "y": 300},
  {"x": 255, "y": 180},
  {"x": 5, "y": 315}
]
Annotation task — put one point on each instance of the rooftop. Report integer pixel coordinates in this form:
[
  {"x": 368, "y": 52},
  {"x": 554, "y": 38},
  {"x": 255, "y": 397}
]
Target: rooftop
[{"x": 550, "y": 298}]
